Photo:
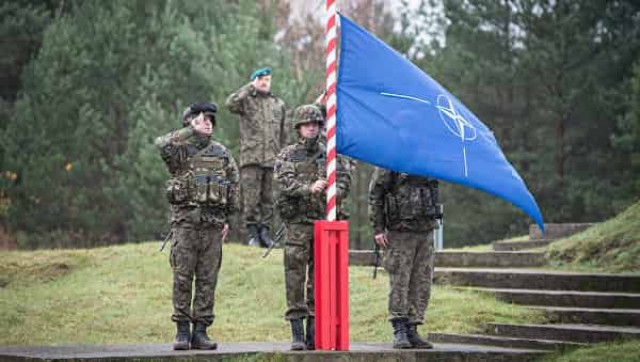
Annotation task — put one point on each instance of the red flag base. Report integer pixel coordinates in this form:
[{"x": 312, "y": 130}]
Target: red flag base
[{"x": 331, "y": 260}]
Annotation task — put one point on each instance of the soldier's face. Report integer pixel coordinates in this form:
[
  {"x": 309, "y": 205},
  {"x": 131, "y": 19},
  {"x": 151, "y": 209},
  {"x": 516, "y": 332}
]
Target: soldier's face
[
  {"x": 263, "y": 83},
  {"x": 309, "y": 130},
  {"x": 203, "y": 125}
]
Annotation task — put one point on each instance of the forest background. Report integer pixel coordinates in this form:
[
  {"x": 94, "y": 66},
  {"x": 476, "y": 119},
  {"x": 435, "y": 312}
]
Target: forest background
[{"x": 86, "y": 85}]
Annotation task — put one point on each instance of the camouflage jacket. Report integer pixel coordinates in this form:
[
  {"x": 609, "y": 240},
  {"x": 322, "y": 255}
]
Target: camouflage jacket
[
  {"x": 203, "y": 187},
  {"x": 295, "y": 171},
  {"x": 402, "y": 202},
  {"x": 264, "y": 129}
]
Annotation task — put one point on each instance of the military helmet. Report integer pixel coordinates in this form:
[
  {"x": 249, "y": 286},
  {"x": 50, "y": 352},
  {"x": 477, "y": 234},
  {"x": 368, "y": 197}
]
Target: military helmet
[
  {"x": 307, "y": 114},
  {"x": 209, "y": 109}
]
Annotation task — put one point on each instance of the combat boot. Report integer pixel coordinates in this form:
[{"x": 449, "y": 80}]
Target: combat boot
[
  {"x": 415, "y": 339},
  {"x": 183, "y": 335},
  {"x": 265, "y": 236},
  {"x": 297, "y": 332},
  {"x": 310, "y": 335},
  {"x": 199, "y": 338},
  {"x": 400, "y": 340},
  {"x": 254, "y": 238}
]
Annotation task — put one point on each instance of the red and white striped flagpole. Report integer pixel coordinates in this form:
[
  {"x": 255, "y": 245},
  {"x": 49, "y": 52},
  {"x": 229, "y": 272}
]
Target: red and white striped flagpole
[
  {"x": 330, "y": 52},
  {"x": 331, "y": 244}
]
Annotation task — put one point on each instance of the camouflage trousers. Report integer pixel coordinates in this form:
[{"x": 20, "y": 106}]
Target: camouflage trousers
[
  {"x": 196, "y": 253},
  {"x": 257, "y": 194},
  {"x": 298, "y": 271},
  {"x": 409, "y": 260}
]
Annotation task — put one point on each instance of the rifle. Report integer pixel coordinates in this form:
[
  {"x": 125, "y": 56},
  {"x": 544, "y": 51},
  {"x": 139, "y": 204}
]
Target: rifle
[
  {"x": 166, "y": 239},
  {"x": 376, "y": 250},
  {"x": 276, "y": 239}
]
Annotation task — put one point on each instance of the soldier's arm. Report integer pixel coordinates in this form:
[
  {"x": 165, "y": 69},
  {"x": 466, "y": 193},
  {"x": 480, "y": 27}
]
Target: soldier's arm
[
  {"x": 343, "y": 184},
  {"x": 235, "y": 101},
  {"x": 234, "y": 186},
  {"x": 377, "y": 193},
  {"x": 286, "y": 180},
  {"x": 169, "y": 144},
  {"x": 285, "y": 127}
]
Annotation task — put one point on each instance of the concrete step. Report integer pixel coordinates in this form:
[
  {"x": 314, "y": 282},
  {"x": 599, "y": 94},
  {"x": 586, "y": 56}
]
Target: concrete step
[
  {"x": 581, "y": 333},
  {"x": 464, "y": 259},
  {"x": 506, "y": 342},
  {"x": 561, "y": 298},
  {"x": 520, "y": 245},
  {"x": 538, "y": 279},
  {"x": 557, "y": 230},
  {"x": 489, "y": 259},
  {"x": 359, "y": 352},
  {"x": 610, "y": 317}
]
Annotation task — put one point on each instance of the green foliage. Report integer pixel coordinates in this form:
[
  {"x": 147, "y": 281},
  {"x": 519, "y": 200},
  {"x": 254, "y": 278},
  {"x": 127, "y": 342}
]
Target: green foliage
[
  {"x": 613, "y": 245},
  {"x": 122, "y": 294},
  {"x": 21, "y": 28},
  {"x": 99, "y": 80},
  {"x": 108, "y": 79},
  {"x": 548, "y": 78}
]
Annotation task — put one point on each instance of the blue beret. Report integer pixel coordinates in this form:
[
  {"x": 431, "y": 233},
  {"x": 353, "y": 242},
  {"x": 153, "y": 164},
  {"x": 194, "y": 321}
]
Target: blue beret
[{"x": 261, "y": 73}]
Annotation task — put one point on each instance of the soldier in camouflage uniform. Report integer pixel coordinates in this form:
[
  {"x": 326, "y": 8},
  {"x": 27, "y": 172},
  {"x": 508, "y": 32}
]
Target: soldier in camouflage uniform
[
  {"x": 202, "y": 192},
  {"x": 263, "y": 133},
  {"x": 300, "y": 200},
  {"x": 403, "y": 211}
]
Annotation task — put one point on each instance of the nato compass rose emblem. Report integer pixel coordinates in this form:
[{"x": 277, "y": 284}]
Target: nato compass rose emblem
[{"x": 454, "y": 122}]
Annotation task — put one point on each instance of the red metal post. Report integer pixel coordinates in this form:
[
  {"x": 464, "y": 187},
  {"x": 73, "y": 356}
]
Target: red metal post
[{"x": 331, "y": 253}]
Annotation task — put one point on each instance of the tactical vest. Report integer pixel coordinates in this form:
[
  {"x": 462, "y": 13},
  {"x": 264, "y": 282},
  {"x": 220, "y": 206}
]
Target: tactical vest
[
  {"x": 412, "y": 202},
  {"x": 203, "y": 180},
  {"x": 308, "y": 169}
]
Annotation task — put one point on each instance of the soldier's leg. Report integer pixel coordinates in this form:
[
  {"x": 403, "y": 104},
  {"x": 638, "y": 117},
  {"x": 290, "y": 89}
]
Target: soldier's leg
[
  {"x": 250, "y": 183},
  {"x": 398, "y": 260},
  {"x": 266, "y": 196},
  {"x": 296, "y": 258},
  {"x": 421, "y": 277},
  {"x": 207, "y": 270},
  {"x": 266, "y": 206},
  {"x": 311, "y": 305},
  {"x": 420, "y": 286},
  {"x": 183, "y": 258},
  {"x": 310, "y": 330}
]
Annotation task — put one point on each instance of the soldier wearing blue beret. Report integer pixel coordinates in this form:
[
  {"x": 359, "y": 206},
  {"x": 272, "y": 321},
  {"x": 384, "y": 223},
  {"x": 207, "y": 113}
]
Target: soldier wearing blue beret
[{"x": 264, "y": 131}]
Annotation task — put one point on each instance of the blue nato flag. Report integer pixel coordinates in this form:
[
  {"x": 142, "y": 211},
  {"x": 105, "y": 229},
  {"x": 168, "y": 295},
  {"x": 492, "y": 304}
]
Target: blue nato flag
[{"x": 393, "y": 115}]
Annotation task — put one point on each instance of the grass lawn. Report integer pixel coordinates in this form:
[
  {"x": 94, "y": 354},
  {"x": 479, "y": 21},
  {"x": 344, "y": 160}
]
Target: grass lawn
[
  {"x": 122, "y": 295},
  {"x": 628, "y": 351},
  {"x": 610, "y": 246}
]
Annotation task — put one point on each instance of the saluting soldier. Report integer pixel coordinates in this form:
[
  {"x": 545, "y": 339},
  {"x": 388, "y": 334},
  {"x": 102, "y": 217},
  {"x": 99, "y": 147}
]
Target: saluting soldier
[
  {"x": 403, "y": 210},
  {"x": 300, "y": 186},
  {"x": 264, "y": 131},
  {"x": 202, "y": 192}
]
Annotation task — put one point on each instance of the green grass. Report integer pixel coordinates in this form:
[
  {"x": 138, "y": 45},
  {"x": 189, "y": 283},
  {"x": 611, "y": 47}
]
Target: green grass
[
  {"x": 611, "y": 246},
  {"x": 628, "y": 351},
  {"x": 122, "y": 295}
]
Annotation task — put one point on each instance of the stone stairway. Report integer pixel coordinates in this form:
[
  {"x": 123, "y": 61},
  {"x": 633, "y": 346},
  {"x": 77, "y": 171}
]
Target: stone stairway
[{"x": 580, "y": 308}]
